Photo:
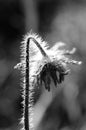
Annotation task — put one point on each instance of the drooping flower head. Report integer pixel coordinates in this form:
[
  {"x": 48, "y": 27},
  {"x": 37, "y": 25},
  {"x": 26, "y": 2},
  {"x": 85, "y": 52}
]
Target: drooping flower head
[
  {"x": 42, "y": 64},
  {"x": 46, "y": 62}
]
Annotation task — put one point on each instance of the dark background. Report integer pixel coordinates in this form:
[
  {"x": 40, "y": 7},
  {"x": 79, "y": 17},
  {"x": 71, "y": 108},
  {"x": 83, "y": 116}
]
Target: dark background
[{"x": 54, "y": 20}]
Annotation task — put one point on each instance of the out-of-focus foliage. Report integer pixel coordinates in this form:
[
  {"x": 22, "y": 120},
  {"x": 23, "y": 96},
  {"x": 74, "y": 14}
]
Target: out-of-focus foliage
[
  {"x": 68, "y": 109},
  {"x": 55, "y": 20}
]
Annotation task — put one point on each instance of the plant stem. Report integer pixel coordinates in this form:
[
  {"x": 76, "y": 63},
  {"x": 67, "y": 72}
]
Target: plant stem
[
  {"x": 27, "y": 87},
  {"x": 26, "y": 119},
  {"x": 40, "y": 48}
]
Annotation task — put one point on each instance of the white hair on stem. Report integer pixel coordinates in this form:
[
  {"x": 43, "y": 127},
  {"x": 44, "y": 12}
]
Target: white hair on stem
[{"x": 39, "y": 63}]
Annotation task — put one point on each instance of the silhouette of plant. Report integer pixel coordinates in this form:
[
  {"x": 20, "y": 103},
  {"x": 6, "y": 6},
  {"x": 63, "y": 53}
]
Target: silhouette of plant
[{"x": 39, "y": 64}]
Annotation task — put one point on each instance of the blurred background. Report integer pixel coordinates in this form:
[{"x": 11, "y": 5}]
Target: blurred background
[{"x": 64, "y": 108}]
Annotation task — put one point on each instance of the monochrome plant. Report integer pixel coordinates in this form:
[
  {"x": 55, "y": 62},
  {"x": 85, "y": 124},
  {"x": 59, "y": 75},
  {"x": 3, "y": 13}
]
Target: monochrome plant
[{"x": 39, "y": 65}]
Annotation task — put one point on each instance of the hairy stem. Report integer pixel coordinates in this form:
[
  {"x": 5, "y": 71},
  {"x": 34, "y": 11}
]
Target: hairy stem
[
  {"x": 39, "y": 46},
  {"x": 26, "y": 112},
  {"x": 26, "y": 119}
]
